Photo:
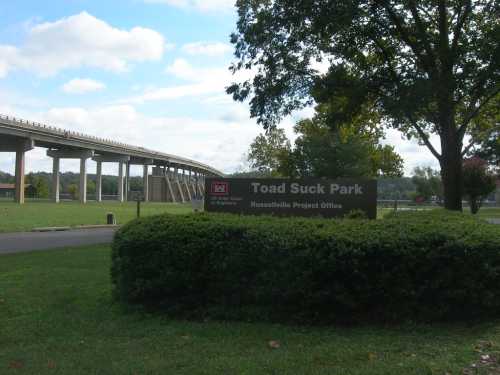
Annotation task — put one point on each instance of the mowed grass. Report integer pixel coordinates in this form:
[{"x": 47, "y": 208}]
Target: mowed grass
[
  {"x": 35, "y": 214},
  {"x": 14, "y": 217},
  {"x": 484, "y": 212},
  {"x": 57, "y": 316}
]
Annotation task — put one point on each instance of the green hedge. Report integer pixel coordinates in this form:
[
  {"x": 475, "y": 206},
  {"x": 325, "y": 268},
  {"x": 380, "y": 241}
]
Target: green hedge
[{"x": 409, "y": 266}]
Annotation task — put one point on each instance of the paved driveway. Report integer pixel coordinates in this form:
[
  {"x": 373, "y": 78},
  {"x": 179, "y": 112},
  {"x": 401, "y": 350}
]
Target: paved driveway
[{"x": 31, "y": 241}]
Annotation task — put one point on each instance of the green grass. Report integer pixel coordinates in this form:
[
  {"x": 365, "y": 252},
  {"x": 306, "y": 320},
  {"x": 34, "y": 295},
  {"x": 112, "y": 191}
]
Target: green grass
[
  {"x": 484, "y": 213},
  {"x": 33, "y": 214},
  {"x": 14, "y": 217},
  {"x": 57, "y": 317}
]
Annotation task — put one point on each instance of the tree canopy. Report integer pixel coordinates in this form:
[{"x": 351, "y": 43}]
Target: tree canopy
[
  {"x": 426, "y": 67},
  {"x": 320, "y": 150}
]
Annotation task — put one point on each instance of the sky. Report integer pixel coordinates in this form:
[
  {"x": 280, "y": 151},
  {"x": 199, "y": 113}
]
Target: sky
[{"x": 151, "y": 73}]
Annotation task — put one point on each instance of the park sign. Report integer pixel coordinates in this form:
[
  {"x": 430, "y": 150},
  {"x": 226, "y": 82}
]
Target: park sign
[{"x": 290, "y": 197}]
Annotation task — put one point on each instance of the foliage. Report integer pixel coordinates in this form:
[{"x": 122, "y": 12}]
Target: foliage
[
  {"x": 109, "y": 183},
  {"x": 322, "y": 149},
  {"x": 426, "y": 67},
  {"x": 489, "y": 148},
  {"x": 424, "y": 266},
  {"x": 478, "y": 182},
  {"x": 73, "y": 191},
  {"x": 326, "y": 147},
  {"x": 250, "y": 174},
  {"x": 356, "y": 214},
  {"x": 267, "y": 152},
  {"x": 39, "y": 186},
  {"x": 395, "y": 188},
  {"x": 428, "y": 184}
]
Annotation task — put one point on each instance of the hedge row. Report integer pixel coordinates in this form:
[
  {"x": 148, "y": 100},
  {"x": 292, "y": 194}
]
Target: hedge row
[{"x": 410, "y": 266}]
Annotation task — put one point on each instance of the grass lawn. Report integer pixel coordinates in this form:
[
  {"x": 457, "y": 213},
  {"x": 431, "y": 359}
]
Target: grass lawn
[
  {"x": 484, "y": 213},
  {"x": 14, "y": 217},
  {"x": 57, "y": 317}
]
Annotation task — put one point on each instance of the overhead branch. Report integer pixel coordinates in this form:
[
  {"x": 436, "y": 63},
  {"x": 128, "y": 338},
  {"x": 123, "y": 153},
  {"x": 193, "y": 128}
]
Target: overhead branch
[
  {"x": 443, "y": 35},
  {"x": 421, "y": 29},
  {"x": 458, "y": 30},
  {"x": 387, "y": 59},
  {"x": 467, "y": 149},
  {"x": 424, "y": 137},
  {"x": 405, "y": 35},
  {"x": 473, "y": 112}
]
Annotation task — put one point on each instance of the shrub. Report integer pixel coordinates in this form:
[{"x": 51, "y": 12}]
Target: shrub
[{"x": 416, "y": 265}]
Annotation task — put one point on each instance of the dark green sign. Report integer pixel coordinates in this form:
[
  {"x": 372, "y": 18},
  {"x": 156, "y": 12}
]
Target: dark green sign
[{"x": 310, "y": 197}]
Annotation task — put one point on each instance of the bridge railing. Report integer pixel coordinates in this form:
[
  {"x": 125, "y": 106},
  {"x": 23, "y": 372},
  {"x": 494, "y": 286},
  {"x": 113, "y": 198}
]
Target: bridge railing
[{"x": 52, "y": 130}]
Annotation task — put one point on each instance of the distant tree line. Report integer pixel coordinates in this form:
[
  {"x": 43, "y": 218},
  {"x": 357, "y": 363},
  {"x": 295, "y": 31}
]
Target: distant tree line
[{"x": 41, "y": 184}]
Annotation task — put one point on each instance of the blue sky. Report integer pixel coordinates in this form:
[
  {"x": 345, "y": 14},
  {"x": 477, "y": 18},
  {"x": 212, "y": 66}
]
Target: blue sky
[{"x": 147, "y": 72}]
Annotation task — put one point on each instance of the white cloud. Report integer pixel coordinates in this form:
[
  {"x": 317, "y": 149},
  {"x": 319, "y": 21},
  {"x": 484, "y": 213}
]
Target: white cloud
[
  {"x": 200, "y": 82},
  {"x": 203, "y": 5},
  {"x": 82, "y": 86},
  {"x": 81, "y": 40},
  {"x": 207, "y": 48}
]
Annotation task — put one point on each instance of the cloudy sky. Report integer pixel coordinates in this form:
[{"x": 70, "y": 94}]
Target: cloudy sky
[{"x": 150, "y": 73}]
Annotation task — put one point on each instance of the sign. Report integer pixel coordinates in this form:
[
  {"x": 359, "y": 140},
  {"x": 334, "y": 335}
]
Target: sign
[{"x": 308, "y": 197}]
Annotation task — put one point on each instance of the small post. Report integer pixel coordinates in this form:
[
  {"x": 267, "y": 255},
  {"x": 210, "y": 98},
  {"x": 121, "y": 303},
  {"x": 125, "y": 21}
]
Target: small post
[
  {"x": 138, "y": 208},
  {"x": 396, "y": 205}
]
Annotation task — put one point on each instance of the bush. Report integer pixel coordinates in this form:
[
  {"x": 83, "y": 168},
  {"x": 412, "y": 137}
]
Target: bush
[{"x": 409, "y": 266}]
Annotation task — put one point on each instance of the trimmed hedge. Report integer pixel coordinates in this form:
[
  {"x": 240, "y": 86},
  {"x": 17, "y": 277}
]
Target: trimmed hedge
[{"x": 409, "y": 266}]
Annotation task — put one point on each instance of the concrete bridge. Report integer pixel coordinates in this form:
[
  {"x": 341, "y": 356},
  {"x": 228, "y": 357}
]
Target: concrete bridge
[{"x": 173, "y": 178}]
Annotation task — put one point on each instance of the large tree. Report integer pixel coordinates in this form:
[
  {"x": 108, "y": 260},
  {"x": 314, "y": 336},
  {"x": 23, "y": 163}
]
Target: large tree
[
  {"x": 428, "y": 66},
  {"x": 268, "y": 151},
  {"x": 344, "y": 150},
  {"x": 323, "y": 150}
]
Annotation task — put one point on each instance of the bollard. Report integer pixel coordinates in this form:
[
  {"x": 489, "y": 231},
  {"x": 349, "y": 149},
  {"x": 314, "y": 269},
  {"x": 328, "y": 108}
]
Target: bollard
[
  {"x": 138, "y": 208},
  {"x": 111, "y": 218}
]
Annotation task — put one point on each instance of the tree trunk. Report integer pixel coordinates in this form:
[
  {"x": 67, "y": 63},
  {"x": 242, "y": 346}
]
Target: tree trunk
[
  {"x": 451, "y": 140},
  {"x": 474, "y": 205},
  {"x": 451, "y": 171}
]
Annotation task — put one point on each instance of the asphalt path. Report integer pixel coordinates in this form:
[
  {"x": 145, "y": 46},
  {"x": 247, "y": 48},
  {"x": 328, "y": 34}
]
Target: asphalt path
[{"x": 33, "y": 241}]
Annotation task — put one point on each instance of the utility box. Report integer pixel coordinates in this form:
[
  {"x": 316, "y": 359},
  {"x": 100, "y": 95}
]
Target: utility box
[
  {"x": 110, "y": 218},
  {"x": 197, "y": 203}
]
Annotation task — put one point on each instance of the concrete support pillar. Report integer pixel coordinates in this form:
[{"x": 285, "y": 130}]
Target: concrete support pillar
[
  {"x": 20, "y": 161},
  {"x": 55, "y": 179},
  {"x": 98, "y": 182},
  {"x": 83, "y": 180},
  {"x": 145, "y": 179},
  {"x": 185, "y": 183},
  {"x": 127, "y": 182},
  {"x": 195, "y": 183},
  {"x": 179, "y": 187},
  {"x": 170, "y": 188},
  {"x": 120, "y": 181}
]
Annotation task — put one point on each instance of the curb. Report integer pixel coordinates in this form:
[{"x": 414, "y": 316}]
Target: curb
[{"x": 62, "y": 229}]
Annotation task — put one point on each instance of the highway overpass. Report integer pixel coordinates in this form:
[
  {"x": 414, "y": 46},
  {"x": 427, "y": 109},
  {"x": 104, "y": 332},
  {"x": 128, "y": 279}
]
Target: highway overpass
[{"x": 181, "y": 178}]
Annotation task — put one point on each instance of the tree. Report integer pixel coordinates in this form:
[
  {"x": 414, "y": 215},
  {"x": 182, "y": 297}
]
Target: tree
[
  {"x": 478, "y": 182},
  {"x": 428, "y": 67},
  {"x": 73, "y": 191},
  {"x": 268, "y": 151},
  {"x": 320, "y": 150},
  {"x": 489, "y": 149},
  {"x": 428, "y": 183},
  {"x": 348, "y": 150},
  {"x": 39, "y": 185},
  {"x": 91, "y": 186}
]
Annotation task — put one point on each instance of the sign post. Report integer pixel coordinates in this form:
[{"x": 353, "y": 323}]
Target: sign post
[{"x": 288, "y": 197}]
